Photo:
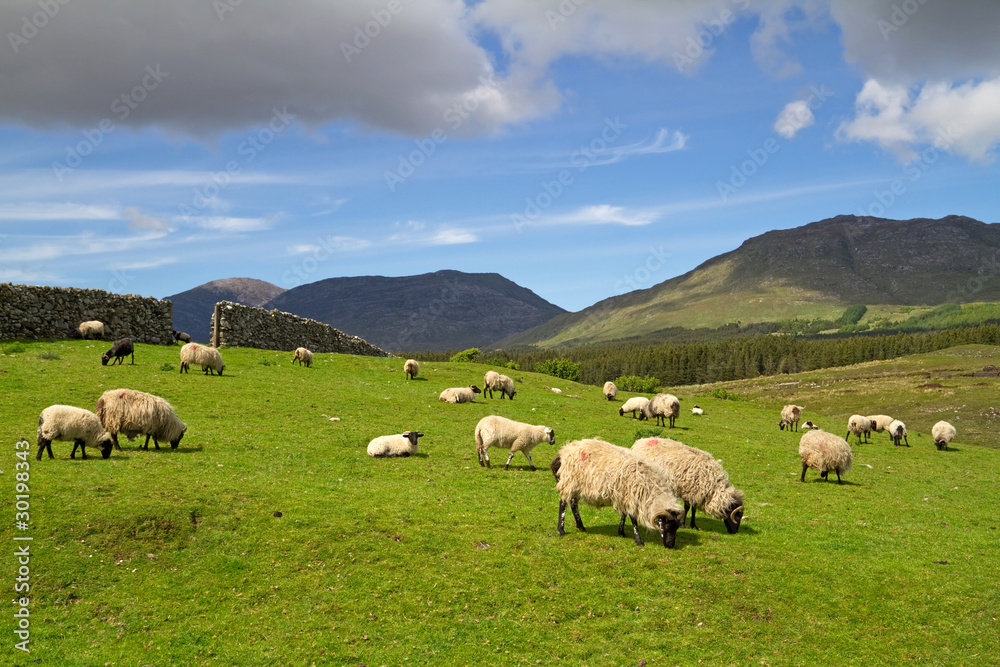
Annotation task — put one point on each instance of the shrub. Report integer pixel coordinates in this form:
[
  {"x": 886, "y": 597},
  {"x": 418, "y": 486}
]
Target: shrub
[
  {"x": 48, "y": 355},
  {"x": 639, "y": 385},
  {"x": 167, "y": 367},
  {"x": 268, "y": 362},
  {"x": 852, "y": 315},
  {"x": 14, "y": 348},
  {"x": 561, "y": 368},
  {"x": 467, "y": 355},
  {"x": 500, "y": 362},
  {"x": 720, "y": 392}
]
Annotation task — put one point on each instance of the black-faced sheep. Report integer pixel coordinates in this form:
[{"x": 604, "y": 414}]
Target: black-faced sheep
[
  {"x": 824, "y": 452},
  {"x": 943, "y": 433},
  {"x": 633, "y": 405},
  {"x": 207, "y": 357},
  {"x": 301, "y": 355},
  {"x": 90, "y": 329},
  {"x": 71, "y": 424},
  {"x": 459, "y": 394},
  {"x": 135, "y": 412},
  {"x": 808, "y": 426},
  {"x": 180, "y": 336},
  {"x": 119, "y": 350},
  {"x": 602, "y": 474},
  {"x": 411, "y": 368},
  {"x": 401, "y": 444},
  {"x": 663, "y": 408},
  {"x": 610, "y": 390},
  {"x": 697, "y": 410},
  {"x": 494, "y": 381},
  {"x": 698, "y": 478},
  {"x": 897, "y": 431},
  {"x": 858, "y": 425},
  {"x": 790, "y": 415},
  {"x": 880, "y": 422},
  {"x": 496, "y": 431}
]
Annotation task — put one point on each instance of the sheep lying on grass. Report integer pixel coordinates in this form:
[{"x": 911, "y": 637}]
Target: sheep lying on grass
[
  {"x": 824, "y": 452},
  {"x": 897, "y": 431},
  {"x": 697, "y": 410},
  {"x": 633, "y": 405},
  {"x": 207, "y": 357},
  {"x": 460, "y": 394},
  {"x": 76, "y": 425},
  {"x": 943, "y": 433},
  {"x": 790, "y": 415},
  {"x": 494, "y": 381},
  {"x": 135, "y": 412},
  {"x": 663, "y": 408},
  {"x": 301, "y": 355},
  {"x": 808, "y": 426},
  {"x": 858, "y": 425},
  {"x": 402, "y": 444},
  {"x": 411, "y": 368},
  {"x": 698, "y": 479},
  {"x": 119, "y": 350},
  {"x": 496, "y": 431},
  {"x": 602, "y": 474},
  {"x": 610, "y": 390},
  {"x": 90, "y": 329}
]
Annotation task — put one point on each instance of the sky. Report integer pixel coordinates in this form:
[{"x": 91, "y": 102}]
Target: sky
[{"x": 580, "y": 148}]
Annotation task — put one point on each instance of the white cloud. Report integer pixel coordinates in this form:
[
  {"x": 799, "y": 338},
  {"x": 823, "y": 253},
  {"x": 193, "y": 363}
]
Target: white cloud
[
  {"x": 452, "y": 237},
  {"x": 55, "y": 211},
  {"x": 604, "y": 214},
  {"x": 794, "y": 117},
  {"x": 234, "y": 225}
]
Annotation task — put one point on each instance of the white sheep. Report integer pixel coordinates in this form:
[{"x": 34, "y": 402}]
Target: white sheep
[
  {"x": 207, "y": 357},
  {"x": 632, "y": 405},
  {"x": 602, "y": 474},
  {"x": 880, "y": 422},
  {"x": 662, "y": 407},
  {"x": 943, "y": 433},
  {"x": 699, "y": 480},
  {"x": 494, "y": 381},
  {"x": 301, "y": 355},
  {"x": 91, "y": 329},
  {"x": 809, "y": 426},
  {"x": 401, "y": 444},
  {"x": 610, "y": 390},
  {"x": 460, "y": 394},
  {"x": 133, "y": 412},
  {"x": 71, "y": 424},
  {"x": 824, "y": 452},
  {"x": 790, "y": 415},
  {"x": 411, "y": 368},
  {"x": 897, "y": 431},
  {"x": 859, "y": 425},
  {"x": 496, "y": 431},
  {"x": 697, "y": 410}
]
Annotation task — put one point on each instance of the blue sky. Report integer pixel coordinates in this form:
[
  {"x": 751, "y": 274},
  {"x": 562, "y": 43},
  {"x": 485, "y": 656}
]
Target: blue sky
[{"x": 581, "y": 148}]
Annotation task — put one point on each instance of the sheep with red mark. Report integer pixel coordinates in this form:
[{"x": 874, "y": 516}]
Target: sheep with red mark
[{"x": 135, "y": 412}]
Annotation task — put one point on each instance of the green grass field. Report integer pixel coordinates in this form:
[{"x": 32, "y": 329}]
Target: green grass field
[{"x": 177, "y": 557}]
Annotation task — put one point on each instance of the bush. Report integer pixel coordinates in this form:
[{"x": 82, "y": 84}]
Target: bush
[
  {"x": 167, "y": 367},
  {"x": 561, "y": 368},
  {"x": 268, "y": 362},
  {"x": 639, "y": 385},
  {"x": 500, "y": 362},
  {"x": 720, "y": 392},
  {"x": 467, "y": 355},
  {"x": 14, "y": 348},
  {"x": 852, "y": 315},
  {"x": 48, "y": 355}
]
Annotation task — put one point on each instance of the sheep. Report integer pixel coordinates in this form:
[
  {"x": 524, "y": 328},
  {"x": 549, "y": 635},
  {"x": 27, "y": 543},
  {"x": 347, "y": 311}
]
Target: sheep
[
  {"x": 181, "y": 336},
  {"x": 460, "y": 394},
  {"x": 698, "y": 479},
  {"x": 496, "y": 431},
  {"x": 824, "y": 452},
  {"x": 208, "y": 357},
  {"x": 119, "y": 350},
  {"x": 790, "y": 415},
  {"x": 411, "y": 368},
  {"x": 302, "y": 355},
  {"x": 632, "y": 405},
  {"x": 664, "y": 408},
  {"x": 90, "y": 328},
  {"x": 602, "y": 474},
  {"x": 610, "y": 390},
  {"x": 880, "y": 422},
  {"x": 697, "y": 410},
  {"x": 67, "y": 423},
  {"x": 133, "y": 412},
  {"x": 402, "y": 444},
  {"x": 858, "y": 425},
  {"x": 494, "y": 381},
  {"x": 897, "y": 431},
  {"x": 943, "y": 433},
  {"x": 809, "y": 426}
]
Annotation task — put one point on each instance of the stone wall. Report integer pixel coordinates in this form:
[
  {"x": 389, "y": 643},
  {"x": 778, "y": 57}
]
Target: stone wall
[
  {"x": 29, "y": 311},
  {"x": 237, "y": 325}
]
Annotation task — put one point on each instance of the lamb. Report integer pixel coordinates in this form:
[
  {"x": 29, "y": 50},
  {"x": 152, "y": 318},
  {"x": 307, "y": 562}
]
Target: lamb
[
  {"x": 411, "y": 368},
  {"x": 697, "y": 410},
  {"x": 610, "y": 390},
  {"x": 699, "y": 480},
  {"x": 859, "y": 425},
  {"x": 302, "y": 355},
  {"x": 880, "y": 422},
  {"x": 496, "y": 431},
  {"x": 943, "y": 433},
  {"x": 662, "y": 407},
  {"x": 208, "y": 357},
  {"x": 459, "y": 394},
  {"x": 67, "y": 423},
  {"x": 632, "y": 405},
  {"x": 402, "y": 444},
  {"x": 824, "y": 452},
  {"x": 90, "y": 329},
  {"x": 494, "y": 381},
  {"x": 119, "y": 350},
  {"x": 181, "y": 336},
  {"x": 897, "y": 431},
  {"x": 790, "y": 415},
  {"x": 133, "y": 412},
  {"x": 602, "y": 474}
]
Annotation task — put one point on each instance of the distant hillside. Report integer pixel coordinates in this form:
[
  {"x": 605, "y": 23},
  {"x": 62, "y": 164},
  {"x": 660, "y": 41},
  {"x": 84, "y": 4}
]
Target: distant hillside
[
  {"x": 193, "y": 308},
  {"x": 433, "y": 311},
  {"x": 811, "y": 271}
]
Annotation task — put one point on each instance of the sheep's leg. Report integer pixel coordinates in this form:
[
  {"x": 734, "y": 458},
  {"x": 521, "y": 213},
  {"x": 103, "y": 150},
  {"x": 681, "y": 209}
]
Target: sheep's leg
[
  {"x": 562, "y": 517},
  {"x": 505, "y": 465},
  {"x": 575, "y": 506},
  {"x": 114, "y": 439},
  {"x": 530, "y": 462},
  {"x": 156, "y": 443},
  {"x": 480, "y": 453},
  {"x": 44, "y": 445},
  {"x": 804, "y": 468},
  {"x": 838, "y": 476},
  {"x": 621, "y": 526},
  {"x": 635, "y": 529},
  {"x": 906, "y": 441}
]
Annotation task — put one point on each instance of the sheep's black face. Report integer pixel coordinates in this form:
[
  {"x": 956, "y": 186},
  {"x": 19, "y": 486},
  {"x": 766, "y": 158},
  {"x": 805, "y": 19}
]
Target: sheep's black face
[
  {"x": 106, "y": 449},
  {"x": 174, "y": 443},
  {"x": 733, "y": 518},
  {"x": 668, "y": 526},
  {"x": 551, "y": 435}
]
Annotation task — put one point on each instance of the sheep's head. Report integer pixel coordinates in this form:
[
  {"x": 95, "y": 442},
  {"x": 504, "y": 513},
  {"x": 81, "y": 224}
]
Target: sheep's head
[
  {"x": 174, "y": 443},
  {"x": 106, "y": 446},
  {"x": 412, "y": 436},
  {"x": 475, "y": 389},
  {"x": 668, "y": 523},
  {"x": 734, "y": 515},
  {"x": 781, "y": 424},
  {"x": 550, "y": 435},
  {"x": 104, "y": 358}
]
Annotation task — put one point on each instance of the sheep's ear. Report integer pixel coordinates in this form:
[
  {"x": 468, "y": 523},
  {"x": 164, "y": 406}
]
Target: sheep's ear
[{"x": 420, "y": 435}]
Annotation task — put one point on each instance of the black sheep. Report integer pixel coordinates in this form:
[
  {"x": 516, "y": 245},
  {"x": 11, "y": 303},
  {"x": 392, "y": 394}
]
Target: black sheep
[
  {"x": 181, "y": 336},
  {"x": 121, "y": 349}
]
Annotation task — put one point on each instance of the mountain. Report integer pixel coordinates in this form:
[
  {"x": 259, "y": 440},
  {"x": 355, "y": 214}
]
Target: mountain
[
  {"x": 193, "y": 308},
  {"x": 433, "y": 311},
  {"x": 811, "y": 271}
]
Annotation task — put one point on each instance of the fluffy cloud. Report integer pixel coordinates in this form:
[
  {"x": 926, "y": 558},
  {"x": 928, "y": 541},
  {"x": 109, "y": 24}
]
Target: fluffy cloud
[{"x": 795, "y": 116}]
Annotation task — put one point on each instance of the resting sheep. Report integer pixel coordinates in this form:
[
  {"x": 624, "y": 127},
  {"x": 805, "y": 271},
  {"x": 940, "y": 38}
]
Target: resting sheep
[
  {"x": 698, "y": 479},
  {"x": 824, "y": 452},
  {"x": 632, "y": 405},
  {"x": 610, "y": 390},
  {"x": 808, "y": 426},
  {"x": 790, "y": 415},
  {"x": 207, "y": 357},
  {"x": 402, "y": 444},
  {"x": 133, "y": 412},
  {"x": 662, "y": 407},
  {"x": 302, "y": 355},
  {"x": 496, "y": 431},
  {"x": 119, "y": 350},
  {"x": 76, "y": 425},
  {"x": 897, "y": 431},
  {"x": 90, "y": 329},
  {"x": 494, "y": 381},
  {"x": 459, "y": 394},
  {"x": 180, "y": 336},
  {"x": 602, "y": 474},
  {"x": 943, "y": 433},
  {"x": 858, "y": 425},
  {"x": 411, "y": 368},
  {"x": 697, "y": 410}
]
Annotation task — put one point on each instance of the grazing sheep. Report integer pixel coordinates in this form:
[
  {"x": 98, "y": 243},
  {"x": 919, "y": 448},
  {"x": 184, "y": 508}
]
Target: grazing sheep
[
  {"x": 460, "y": 394},
  {"x": 880, "y": 422},
  {"x": 76, "y": 425},
  {"x": 402, "y": 444},
  {"x": 133, "y": 412},
  {"x": 858, "y": 425},
  {"x": 494, "y": 381},
  {"x": 496, "y": 431},
  {"x": 699, "y": 480},
  {"x": 610, "y": 390},
  {"x": 696, "y": 410},
  {"x": 411, "y": 368},
  {"x": 208, "y": 357},
  {"x": 824, "y": 452},
  {"x": 632, "y": 405},
  {"x": 119, "y": 350},
  {"x": 809, "y": 426},
  {"x": 90, "y": 329},
  {"x": 181, "y": 336},
  {"x": 662, "y": 407},
  {"x": 302, "y": 355},
  {"x": 602, "y": 474},
  {"x": 790, "y": 415},
  {"x": 943, "y": 433},
  {"x": 897, "y": 431}
]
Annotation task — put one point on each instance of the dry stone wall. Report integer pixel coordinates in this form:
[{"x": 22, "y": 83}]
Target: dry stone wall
[
  {"x": 243, "y": 326},
  {"x": 33, "y": 312}
]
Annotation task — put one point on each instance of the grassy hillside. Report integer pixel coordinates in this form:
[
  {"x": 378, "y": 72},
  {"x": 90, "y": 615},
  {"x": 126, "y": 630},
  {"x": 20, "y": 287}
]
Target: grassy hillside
[{"x": 179, "y": 557}]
